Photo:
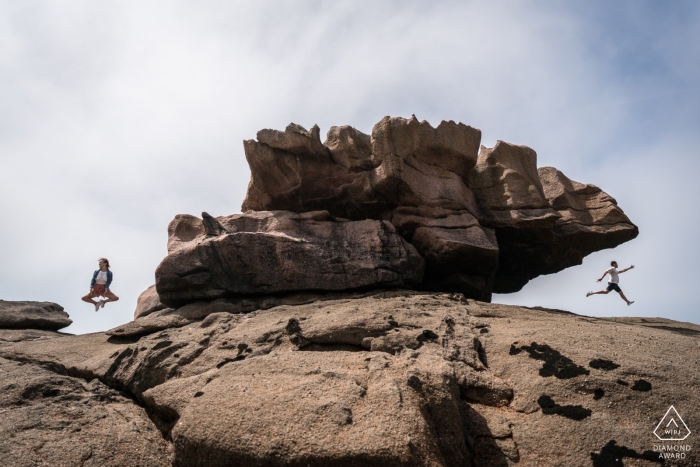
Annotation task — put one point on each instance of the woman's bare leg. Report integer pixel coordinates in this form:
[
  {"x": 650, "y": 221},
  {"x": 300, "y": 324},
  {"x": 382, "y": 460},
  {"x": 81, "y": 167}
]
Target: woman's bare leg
[
  {"x": 111, "y": 297},
  {"x": 88, "y": 298}
]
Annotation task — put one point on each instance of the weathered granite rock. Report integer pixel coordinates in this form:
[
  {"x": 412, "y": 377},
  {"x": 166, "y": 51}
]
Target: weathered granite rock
[
  {"x": 371, "y": 381},
  {"x": 423, "y": 166},
  {"x": 48, "y": 417},
  {"x": 509, "y": 190},
  {"x": 19, "y": 335},
  {"x": 404, "y": 163},
  {"x": 588, "y": 221},
  {"x": 586, "y": 211},
  {"x": 458, "y": 260},
  {"x": 147, "y": 303},
  {"x": 33, "y": 315},
  {"x": 258, "y": 253},
  {"x": 416, "y": 176},
  {"x": 400, "y": 378}
]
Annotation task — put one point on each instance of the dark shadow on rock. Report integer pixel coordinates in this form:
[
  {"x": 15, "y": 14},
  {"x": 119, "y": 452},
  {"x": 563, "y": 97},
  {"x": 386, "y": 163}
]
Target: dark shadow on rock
[
  {"x": 574, "y": 412},
  {"x": 123, "y": 340},
  {"x": 682, "y": 331},
  {"x": 427, "y": 335},
  {"x": 555, "y": 364},
  {"x": 602, "y": 364},
  {"x": 481, "y": 352},
  {"x": 598, "y": 394},
  {"x": 487, "y": 449},
  {"x": 333, "y": 348},
  {"x": 641, "y": 385},
  {"x": 549, "y": 310},
  {"x": 611, "y": 455},
  {"x": 623, "y": 383}
]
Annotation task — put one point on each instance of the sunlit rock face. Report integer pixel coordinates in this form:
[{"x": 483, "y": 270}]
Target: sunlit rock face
[
  {"x": 483, "y": 219},
  {"x": 281, "y": 252},
  {"x": 375, "y": 379}
]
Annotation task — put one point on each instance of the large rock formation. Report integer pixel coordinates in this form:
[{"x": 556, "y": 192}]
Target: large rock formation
[
  {"x": 394, "y": 378},
  {"x": 485, "y": 220}
]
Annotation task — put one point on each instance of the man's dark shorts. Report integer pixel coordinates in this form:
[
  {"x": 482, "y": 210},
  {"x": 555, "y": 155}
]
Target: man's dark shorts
[{"x": 614, "y": 287}]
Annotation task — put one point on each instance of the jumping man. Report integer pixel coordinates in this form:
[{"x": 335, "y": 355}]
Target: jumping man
[{"x": 613, "y": 281}]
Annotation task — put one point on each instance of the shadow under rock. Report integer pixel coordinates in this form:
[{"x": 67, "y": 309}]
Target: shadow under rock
[
  {"x": 602, "y": 364},
  {"x": 332, "y": 348},
  {"x": 611, "y": 455},
  {"x": 555, "y": 364},
  {"x": 682, "y": 331},
  {"x": 488, "y": 449},
  {"x": 123, "y": 339},
  {"x": 641, "y": 385},
  {"x": 574, "y": 412}
]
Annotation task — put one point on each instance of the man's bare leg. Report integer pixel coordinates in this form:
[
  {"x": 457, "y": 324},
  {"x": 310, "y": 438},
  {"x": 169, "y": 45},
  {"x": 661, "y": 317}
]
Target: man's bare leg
[
  {"x": 604, "y": 292},
  {"x": 622, "y": 295}
]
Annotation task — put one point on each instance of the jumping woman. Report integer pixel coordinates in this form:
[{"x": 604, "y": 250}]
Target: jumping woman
[
  {"x": 99, "y": 286},
  {"x": 613, "y": 282}
]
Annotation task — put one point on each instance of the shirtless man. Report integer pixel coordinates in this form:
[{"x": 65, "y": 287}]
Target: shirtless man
[{"x": 613, "y": 281}]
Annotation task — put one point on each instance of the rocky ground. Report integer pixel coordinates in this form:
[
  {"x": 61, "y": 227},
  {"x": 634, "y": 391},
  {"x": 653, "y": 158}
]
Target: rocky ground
[{"x": 393, "y": 378}]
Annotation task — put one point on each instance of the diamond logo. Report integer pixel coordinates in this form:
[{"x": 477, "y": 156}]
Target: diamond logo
[{"x": 672, "y": 427}]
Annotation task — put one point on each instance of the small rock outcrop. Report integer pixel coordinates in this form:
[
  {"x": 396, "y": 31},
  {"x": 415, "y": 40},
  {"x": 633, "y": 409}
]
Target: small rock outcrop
[{"x": 33, "y": 315}]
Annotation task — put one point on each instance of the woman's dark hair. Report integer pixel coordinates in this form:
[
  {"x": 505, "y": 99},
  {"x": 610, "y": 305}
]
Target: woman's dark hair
[
  {"x": 106, "y": 261},
  {"x": 612, "y": 263}
]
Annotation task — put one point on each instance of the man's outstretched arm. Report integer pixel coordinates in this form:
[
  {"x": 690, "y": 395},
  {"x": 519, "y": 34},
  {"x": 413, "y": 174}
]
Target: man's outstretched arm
[
  {"x": 626, "y": 269},
  {"x": 601, "y": 277}
]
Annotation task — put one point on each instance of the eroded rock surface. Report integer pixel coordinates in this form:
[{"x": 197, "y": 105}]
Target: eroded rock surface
[
  {"x": 50, "y": 418},
  {"x": 396, "y": 378},
  {"x": 486, "y": 220},
  {"x": 33, "y": 315},
  {"x": 148, "y": 303},
  {"x": 281, "y": 252}
]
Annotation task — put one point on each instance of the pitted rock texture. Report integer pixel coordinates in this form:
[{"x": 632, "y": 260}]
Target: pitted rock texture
[
  {"x": 19, "y": 335},
  {"x": 281, "y": 252},
  {"x": 148, "y": 303},
  {"x": 33, "y": 315},
  {"x": 527, "y": 222},
  {"x": 396, "y": 378},
  {"x": 50, "y": 418}
]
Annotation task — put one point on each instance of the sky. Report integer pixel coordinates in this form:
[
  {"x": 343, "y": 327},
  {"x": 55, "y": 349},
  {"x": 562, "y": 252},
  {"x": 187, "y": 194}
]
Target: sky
[{"x": 115, "y": 116}]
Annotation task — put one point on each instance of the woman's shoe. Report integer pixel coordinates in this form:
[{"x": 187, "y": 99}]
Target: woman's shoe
[
  {"x": 97, "y": 305},
  {"x": 102, "y": 303}
]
